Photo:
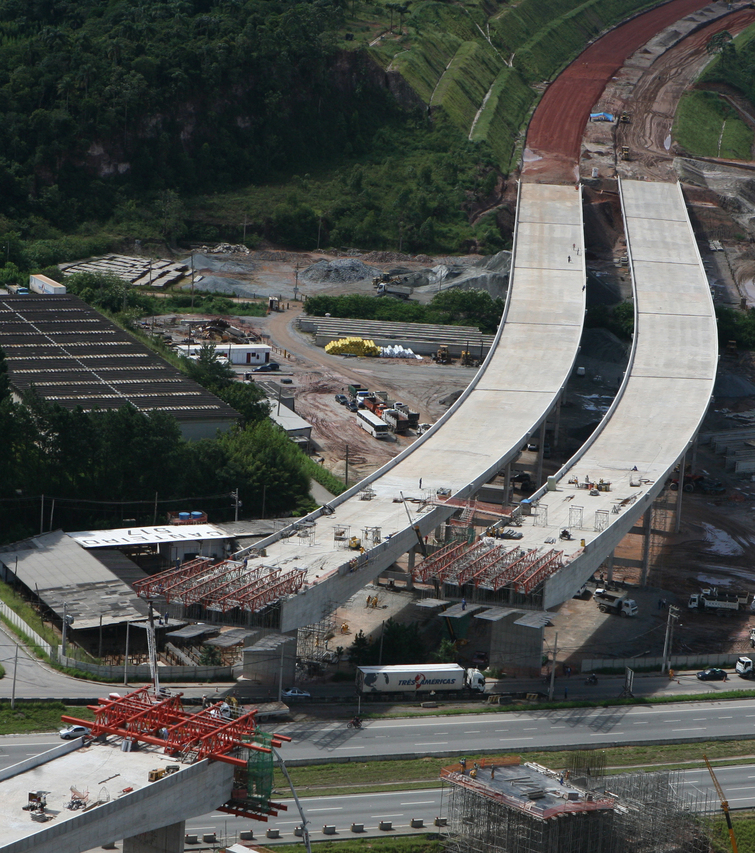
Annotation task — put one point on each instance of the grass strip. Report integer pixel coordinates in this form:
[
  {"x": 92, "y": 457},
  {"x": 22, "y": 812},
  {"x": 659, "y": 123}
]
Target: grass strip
[
  {"x": 30, "y": 717},
  {"x": 412, "y": 774}
]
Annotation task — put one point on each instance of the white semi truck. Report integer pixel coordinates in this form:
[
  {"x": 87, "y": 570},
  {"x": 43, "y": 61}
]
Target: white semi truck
[{"x": 420, "y": 679}]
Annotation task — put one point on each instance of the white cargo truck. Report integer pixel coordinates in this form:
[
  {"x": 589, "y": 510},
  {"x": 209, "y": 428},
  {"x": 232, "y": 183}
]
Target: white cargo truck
[
  {"x": 421, "y": 679},
  {"x": 42, "y": 284},
  {"x": 716, "y": 604},
  {"x": 745, "y": 667}
]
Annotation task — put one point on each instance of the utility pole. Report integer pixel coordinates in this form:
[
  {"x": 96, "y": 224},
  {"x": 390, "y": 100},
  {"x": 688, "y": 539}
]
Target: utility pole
[
  {"x": 673, "y": 615},
  {"x": 42, "y": 517},
  {"x": 192, "y": 279},
  {"x": 264, "y": 495},
  {"x": 125, "y": 658},
  {"x": 346, "y": 477},
  {"x": 553, "y": 668},
  {"x": 154, "y": 516},
  {"x": 235, "y": 496},
  {"x": 380, "y": 656},
  {"x": 13, "y": 689},
  {"x": 99, "y": 653}
]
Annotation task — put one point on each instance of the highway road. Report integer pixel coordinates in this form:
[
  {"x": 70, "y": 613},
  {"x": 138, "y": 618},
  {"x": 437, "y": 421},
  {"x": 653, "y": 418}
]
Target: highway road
[{"x": 526, "y": 729}]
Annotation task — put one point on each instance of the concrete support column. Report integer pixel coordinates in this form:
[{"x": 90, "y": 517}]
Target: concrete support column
[
  {"x": 167, "y": 839},
  {"x": 410, "y": 568},
  {"x": 506, "y": 484},
  {"x": 680, "y": 492},
  {"x": 609, "y": 566},
  {"x": 693, "y": 460},
  {"x": 539, "y": 478},
  {"x": 646, "y": 530},
  {"x": 557, "y": 421}
]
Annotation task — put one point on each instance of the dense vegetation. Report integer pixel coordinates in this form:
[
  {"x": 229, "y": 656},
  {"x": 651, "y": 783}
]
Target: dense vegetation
[
  {"x": 450, "y": 307},
  {"x": 397, "y": 644},
  {"x": 100, "y": 467},
  {"x": 705, "y": 125}
]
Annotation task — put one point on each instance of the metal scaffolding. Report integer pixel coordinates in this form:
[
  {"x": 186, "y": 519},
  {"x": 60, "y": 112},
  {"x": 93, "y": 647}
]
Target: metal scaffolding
[
  {"x": 312, "y": 640},
  {"x": 500, "y": 806}
]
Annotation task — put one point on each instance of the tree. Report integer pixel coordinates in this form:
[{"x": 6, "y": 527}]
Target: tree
[
  {"x": 718, "y": 42},
  {"x": 447, "y": 651},
  {"x": 208, "y": 370}
]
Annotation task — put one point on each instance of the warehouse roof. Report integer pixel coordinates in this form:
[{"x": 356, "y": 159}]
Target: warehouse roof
[
  {"x": 147, "y": 535},
  {"x": 63, "y": 573},
  {"x": 74, "y": 356}
]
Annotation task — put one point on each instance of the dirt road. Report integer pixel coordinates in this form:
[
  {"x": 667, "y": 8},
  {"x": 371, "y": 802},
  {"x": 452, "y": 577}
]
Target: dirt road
[
  {"x": 555, "y": 133},
  {"x": 318, "y": 377}
]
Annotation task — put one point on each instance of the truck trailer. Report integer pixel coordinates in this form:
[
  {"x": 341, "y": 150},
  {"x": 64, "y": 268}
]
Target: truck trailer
[
  {"x": 614, "y": 602},
  {"x": 421, "y": 679},
  {"x": 717, "y": 604}
]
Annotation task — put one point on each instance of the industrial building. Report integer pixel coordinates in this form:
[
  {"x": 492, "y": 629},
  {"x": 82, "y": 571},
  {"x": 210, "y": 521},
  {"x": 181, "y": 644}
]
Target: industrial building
[
  {"x": 74, "y": 356},
  {"x": 253, "y": 355},
  {"x": 501, "y": 805}
]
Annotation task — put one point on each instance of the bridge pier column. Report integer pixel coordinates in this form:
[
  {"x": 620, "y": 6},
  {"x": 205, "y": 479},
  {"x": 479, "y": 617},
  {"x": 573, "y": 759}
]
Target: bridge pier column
[
  {"x": 609, "y": 567},
  {"x": 541, "y": 443},
  {"x": 646, "y": 530},
  {"x": 557, "y": 421},
  {"x": 167, "y": 839},
  {"x": 680, "y": 492},
  {"x": 506, "y": 484},
  {"x": 410, "y": 568}
]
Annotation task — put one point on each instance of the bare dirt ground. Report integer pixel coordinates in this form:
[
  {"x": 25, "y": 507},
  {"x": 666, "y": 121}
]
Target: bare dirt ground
[
  {"x": 554, "y": 138},
  {"x": 318, "y": 377}
]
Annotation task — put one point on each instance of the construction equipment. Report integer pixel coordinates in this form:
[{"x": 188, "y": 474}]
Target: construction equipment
[
  {"x": 625, "y": 118},
  {"x": 724, "y": 804},
  {"x": 625, "y": 153},
  {"x": 442, "y": 356}
]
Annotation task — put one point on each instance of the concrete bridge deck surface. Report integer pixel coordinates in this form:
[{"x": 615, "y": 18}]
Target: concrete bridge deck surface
[
  {"x": 661, "y": 403},
  {"x": 509, "y": 397},
  {"x": 129, "y": 804}
]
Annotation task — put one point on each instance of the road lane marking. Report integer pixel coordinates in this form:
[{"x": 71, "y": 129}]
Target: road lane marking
[
  {"x": 433, "y": 743},
  {"x": 693, "y": 729},
  {"x": 383, "y": 816},
  {"x": 351, "y": 747},
  {"x": 473, "y": 732},
  {"x": 420, "y": 803},
  {"x": 514, "y": 739},
  {"x": 328, "y": 809},
  {"x": 644, "y": 723},
  {"x": 606, "y": 734}
]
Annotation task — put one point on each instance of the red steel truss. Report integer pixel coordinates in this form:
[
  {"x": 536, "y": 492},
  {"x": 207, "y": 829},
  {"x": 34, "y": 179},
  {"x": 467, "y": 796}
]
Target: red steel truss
[
  {"x": 222, "y": 586},
  {"x": 489, "y": 560},
  {"x": 163, "y": 722},
  {"x": 512, "y": 571},
  {"x": 473, "y": 552},
  {"x": 543, "y": 568},
  {"x": 153, "y": 586},
  {"x": 431, "y": 565}
]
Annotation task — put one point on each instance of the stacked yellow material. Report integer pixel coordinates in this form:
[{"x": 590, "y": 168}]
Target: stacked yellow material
[{"x": 355, "y": 346}]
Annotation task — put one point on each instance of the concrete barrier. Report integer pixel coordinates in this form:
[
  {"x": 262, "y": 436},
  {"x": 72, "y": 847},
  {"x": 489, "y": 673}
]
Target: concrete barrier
[
  {"x": 386, "y": 825},
  {"x": 246, "y": 835},
  {"x": 191, "y": 838},
  {"x": 357, "y": 827},
  {"x": 329, "y": 829},
  {"x": 273, "y": 833},
  {"x": 441, "y": 821},
  {"x": 209, "y": 838},
  {"x": 417, "y": 823},
  {"x": 299, "y": 831}
]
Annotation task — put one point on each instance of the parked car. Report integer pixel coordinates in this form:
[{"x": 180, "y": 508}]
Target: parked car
[
  {"x": 713, "y": 674},
  {"x": 342, "y": 399},
  {"x": 267, "y": 368},
  {"x": 295, "y": 693},
  {"x": 352, "y": 406},
  {"x": 71, "y": 732}
]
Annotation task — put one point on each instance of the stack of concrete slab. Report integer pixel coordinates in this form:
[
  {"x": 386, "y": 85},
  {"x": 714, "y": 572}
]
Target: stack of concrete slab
[
  {"x": 137, "y": 271},
  {"x": 422, "y": 338}
]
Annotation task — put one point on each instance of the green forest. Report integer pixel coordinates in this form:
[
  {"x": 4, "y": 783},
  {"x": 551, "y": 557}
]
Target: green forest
[{"x": 99, "y": 468}]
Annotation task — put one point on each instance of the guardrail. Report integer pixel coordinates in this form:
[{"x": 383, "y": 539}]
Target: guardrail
[{"x": 13, "y": 617}]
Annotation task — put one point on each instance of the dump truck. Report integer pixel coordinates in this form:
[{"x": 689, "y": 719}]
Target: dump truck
[
  {"x": 400, "y": 291},
  {"x": 442, "y": 356},
  {"x": 713, "y": 604},
  {"x": 396, "y": 420},
  {"x": 615, "y": 602},
  {"x": 446, "y": 678},
  {"x": 745, "y": 667},
  {"x": 739, "y": 595},
  {"x": 412, "y": 417},
  {"x": 356, "y": 388},
  {"x": 375, "y": 404}
]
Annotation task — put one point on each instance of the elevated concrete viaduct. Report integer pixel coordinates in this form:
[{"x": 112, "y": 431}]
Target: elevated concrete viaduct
[{"x": 508, "y": 399}]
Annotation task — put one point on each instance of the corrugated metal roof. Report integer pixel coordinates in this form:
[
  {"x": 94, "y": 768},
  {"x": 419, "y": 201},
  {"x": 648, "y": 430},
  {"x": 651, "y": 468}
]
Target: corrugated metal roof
[
  {"x": 66, "y": 575},
  {"x": 76, "y": 356},
  {"x": 536, "y": 619}
]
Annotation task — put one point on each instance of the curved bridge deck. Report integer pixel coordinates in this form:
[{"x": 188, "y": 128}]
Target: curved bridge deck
[
  {"x": 663, "y": 400},
  {"x": 510, "y": 396}
]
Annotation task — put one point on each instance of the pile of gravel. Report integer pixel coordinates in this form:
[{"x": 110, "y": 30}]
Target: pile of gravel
[{"x": 341, "y": 270}]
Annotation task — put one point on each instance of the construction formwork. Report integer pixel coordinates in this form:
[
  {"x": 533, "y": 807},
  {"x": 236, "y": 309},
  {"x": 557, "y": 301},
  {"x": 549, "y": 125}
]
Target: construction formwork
[
  {"x": 312, "y": 640},
  {"x": 502, "y": 806}
]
